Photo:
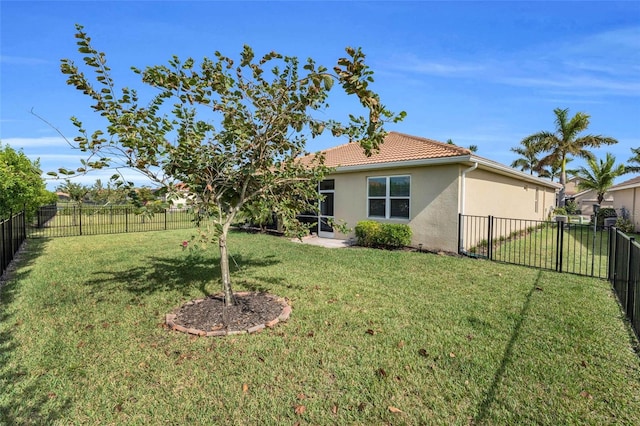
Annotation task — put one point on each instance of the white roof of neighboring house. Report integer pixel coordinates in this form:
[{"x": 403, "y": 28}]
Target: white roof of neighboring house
[
  {"x": 401, "y": 150},
  {"x": 628, "y": 184}
]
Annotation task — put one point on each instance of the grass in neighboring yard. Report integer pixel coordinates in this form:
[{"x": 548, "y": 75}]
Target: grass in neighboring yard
[
  {"x": 445, "y": 340},
  {"x": 584, "y": 251}
]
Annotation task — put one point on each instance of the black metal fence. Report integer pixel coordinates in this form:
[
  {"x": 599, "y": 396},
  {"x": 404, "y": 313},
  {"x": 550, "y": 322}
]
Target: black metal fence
[
  {"x": 576, "y": 248},
  {"x": 12, "y": 234},
  {"x": 624, "y": 274},
  {"x": 583, "y": 249},
  {"x": 68, "y": 221}
]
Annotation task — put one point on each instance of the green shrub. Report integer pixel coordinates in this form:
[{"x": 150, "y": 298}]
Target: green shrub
[
  {"x": 395, "y": 235},
  {"x": 625, "y": 225},
  {"x": 571, "y": 207},
  {"x": 560, "y": 211},
  {"x": 383, "y": 235},
  {"x": 604, "y": 213},
  {"x": 367, "y": 233}
]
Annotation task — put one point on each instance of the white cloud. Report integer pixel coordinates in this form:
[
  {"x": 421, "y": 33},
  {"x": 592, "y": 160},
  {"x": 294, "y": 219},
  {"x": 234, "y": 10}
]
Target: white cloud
[
  {"x": 46, "y": 141},
  {"x": 21, "y": 60}
]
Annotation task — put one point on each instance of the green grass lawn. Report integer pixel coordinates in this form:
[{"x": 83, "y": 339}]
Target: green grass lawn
[
  {"x": 584, "y": 251},
  {"x": 444, "y": 340}
]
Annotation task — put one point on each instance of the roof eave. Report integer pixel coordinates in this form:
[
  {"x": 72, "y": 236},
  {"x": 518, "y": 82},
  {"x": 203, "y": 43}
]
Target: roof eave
[
  {"x": 508, "y": 171},
  {"x": 402, "y": 164}
]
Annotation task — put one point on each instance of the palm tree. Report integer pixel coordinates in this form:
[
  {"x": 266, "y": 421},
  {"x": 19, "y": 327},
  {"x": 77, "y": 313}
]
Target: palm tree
[
  {"x": 565, "y": 143},
  {"x": 635, "y": 168},
  {"x": 600, "y": 175},
  {"x": 528, "y": 153}
]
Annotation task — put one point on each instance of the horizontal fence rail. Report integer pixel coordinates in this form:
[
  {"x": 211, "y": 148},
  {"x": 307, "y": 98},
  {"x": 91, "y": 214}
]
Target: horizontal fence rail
[
  {"x": 624, "y": 274},
  {"x": 563, "y": 247},
  {"x": 12, "y": 235},
  {"x": 70, "y": 221}
]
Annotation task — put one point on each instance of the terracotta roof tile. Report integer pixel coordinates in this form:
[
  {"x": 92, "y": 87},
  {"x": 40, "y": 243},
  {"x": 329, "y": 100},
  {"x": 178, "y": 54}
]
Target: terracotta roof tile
[{"x": 396, "y": 147}]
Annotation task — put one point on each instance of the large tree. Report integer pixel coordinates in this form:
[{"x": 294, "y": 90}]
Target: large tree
[
  {"x": 21, "y": 184},
  {"x": 600, "y": 175},
  {"x": 231, "y": 131},
  {"x": 565, "y": 142}
]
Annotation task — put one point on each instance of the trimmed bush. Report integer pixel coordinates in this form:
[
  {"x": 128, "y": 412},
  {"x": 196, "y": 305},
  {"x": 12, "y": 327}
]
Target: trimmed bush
[
  {"x": 367, "y": 233},
  {"x": 383, "y": 235}
]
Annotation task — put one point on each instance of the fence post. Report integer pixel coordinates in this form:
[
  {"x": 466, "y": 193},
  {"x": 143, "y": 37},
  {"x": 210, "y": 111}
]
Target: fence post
[
  {"x": 490, "y": 239},
  {"x": 611, "y": 258},
  {"x": 460, "y": 248},
  {"x": 80, "y": 217},
  {"x": 126, "y": 219},
  {"x": 560, "y": 243},
  {"x": 630, "y": 287},
  {"x": 4, "y": 246},
  {"x": 165, "y": 219}
]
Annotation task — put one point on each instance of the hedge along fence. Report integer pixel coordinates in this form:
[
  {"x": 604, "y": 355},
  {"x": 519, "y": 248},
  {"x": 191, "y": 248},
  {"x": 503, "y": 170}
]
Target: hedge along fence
[{"x": 370, "y": 233}]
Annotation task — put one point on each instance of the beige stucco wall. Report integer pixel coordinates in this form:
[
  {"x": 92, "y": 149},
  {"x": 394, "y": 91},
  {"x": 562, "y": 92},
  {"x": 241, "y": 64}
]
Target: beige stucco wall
[
  {"x": 586, "y": 200},
  {"x": 435, "y": 201},
  {"x": 433, "y": 207},
  {"x": 489, "y": 193},
  {"x": 630, "y": 200}
]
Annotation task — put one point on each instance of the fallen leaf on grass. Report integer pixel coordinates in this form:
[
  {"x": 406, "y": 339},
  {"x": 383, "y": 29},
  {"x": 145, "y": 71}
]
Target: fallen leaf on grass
[
  {"x": 394, "y": 409},
  {"x": 401, "y": 344},
  {"x": 371, "y": 332},
  {"x": 300, "y": 409},
  {"x": 334, "y": 409},
  {"x": 381, "y": 373},
  {"x": 423, "y": 352},
  {"x": 301, "y": 396},
  {"x": 452, "y": 355},
  {"x": 586, "y": 394},
  {"x": 584, "y": 364},
  {"x": 245, "y": 388}
]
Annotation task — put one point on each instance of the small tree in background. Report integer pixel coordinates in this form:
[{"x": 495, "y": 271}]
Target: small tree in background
[
  {"x": 600, "y": 175},
  {"x": 528, "y": 160},
  {"x": 565, "y": 143},
  {"x": 258, "y": 114},
  {"x": 21, "y": 184},
  {"x": 634, "y": 162}
]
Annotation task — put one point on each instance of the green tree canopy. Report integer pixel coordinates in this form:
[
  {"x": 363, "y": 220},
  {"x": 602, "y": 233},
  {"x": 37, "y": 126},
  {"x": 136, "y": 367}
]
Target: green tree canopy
[
  {"x": 21, "y": 184},
  {"x": 230, "y": 130},
  {"x": 600, "y": 175},
  {"x": 565, "y": 143}
]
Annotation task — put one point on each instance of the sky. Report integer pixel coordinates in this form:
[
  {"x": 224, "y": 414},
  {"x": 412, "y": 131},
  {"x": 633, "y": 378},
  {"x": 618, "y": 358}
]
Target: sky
[{"x": 478, "y": 73}]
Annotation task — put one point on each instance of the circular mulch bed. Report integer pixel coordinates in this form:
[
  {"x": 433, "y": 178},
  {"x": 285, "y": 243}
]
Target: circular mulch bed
[{"x": 210, "y": 317}]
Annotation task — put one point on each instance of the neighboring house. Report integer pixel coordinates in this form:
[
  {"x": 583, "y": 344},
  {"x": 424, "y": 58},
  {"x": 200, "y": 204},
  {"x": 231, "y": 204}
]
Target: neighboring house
[
  {"x": 626, "y": 195},
  {"x": 425, "y": 184},
  {"x": 586, "y": 199}
]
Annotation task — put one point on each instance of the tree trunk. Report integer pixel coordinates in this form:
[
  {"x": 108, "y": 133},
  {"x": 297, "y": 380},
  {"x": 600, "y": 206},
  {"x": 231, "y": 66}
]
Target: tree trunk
[
  {"x": 224, "y": 268},
  {"x": 563, "y": 182}
]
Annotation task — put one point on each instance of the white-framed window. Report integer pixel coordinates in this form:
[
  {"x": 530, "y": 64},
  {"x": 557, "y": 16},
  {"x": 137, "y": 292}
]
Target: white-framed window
[{"x": 389, "y": 197}]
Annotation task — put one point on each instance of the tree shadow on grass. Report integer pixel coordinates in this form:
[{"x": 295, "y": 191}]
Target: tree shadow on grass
[
  {"x": 490, "y": 396},
  {"x": 25, "y": 399},
  {"x": 157, "y": 274}
]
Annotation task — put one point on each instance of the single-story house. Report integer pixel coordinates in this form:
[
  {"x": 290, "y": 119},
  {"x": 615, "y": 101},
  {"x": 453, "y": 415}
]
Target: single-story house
[
  {"x": 587, "y": 198},
  {"x": 425, "y": 184},
  {"x": 626, "y": 195}
]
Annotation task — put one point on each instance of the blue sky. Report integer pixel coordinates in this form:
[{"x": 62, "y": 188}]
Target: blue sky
[{"x": 482, "y": 73}]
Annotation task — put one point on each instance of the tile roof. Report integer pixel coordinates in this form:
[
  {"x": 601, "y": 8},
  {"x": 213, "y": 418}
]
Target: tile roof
[
  {"x": 396, "y": 147},
  {"x": 627, "y": 183}
]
